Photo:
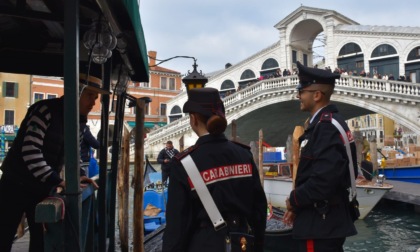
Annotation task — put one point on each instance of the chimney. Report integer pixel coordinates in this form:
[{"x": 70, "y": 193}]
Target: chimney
[{"x": 152, "y": 57}]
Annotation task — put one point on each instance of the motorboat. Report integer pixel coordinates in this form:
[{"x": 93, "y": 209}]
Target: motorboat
[{"x": 369, "y": 193}]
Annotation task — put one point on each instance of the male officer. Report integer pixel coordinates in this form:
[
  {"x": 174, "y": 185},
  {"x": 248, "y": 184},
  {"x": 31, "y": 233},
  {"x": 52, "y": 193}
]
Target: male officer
[
  {"x": 318, "y": 206},
  {"x": 230, "y": 174}
]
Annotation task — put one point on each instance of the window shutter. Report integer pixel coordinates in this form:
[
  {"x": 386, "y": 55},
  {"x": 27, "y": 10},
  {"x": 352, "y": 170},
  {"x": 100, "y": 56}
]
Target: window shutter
[
  {"x": 16, "y": 89},
  {"x": 3, "y": 89}
]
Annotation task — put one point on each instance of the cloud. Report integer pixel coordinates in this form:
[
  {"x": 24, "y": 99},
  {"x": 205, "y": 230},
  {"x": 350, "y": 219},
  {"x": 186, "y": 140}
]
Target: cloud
[{"x": 217, "y": 32}]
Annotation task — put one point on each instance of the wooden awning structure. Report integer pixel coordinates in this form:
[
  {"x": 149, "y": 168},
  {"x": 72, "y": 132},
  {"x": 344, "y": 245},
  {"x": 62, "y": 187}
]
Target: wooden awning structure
[
  {"x": 45, "y": 37},
  {"x": 32, "y": 35}
]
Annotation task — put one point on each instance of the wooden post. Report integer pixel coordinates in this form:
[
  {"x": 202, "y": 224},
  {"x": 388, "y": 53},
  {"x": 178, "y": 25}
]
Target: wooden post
[
  {"x": 181, "y": 144},
  {"x": 138, "y": 222},
  {"x": 233, "y": 125},
  {"x": 123, "y": 191},
  {"x": 254, "y": 151},
  {"x": 260, "y": 157},
  {"x": 358, "y": 140},
  {"x": 296, "y": 150},
  {"x": 289, "y": 149},
  {"x": 374, "y": 156}
]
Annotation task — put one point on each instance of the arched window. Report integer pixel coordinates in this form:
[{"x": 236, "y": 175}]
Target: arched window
[
  {"x": 227, "y": 88},
  {"x": 270, "y": 64},
  {"x": 176, "y": 113},
  {"x": 247, "y": 74},
  {"x": 269, "y": 68},
  {"x": 414, "y": 54},
  {"x": 349, "y": 48},
  {"x": 383, "y": 50},
  {"x": 247, "y": 78},
  {"x": 176, "y": 110}
]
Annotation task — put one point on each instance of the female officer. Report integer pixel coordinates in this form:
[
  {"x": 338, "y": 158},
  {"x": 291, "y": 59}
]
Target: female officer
[{"x": 228, "y": 170}]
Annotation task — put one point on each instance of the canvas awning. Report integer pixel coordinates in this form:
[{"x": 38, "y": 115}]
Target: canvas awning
[{"x": 147, "y": 125}]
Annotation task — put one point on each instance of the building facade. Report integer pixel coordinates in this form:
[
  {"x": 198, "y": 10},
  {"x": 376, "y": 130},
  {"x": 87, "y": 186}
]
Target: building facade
[
  {"x": 20, "y": 91},
  {"x": 164, "y": 84},
  {"x": 14, "y": 101}
]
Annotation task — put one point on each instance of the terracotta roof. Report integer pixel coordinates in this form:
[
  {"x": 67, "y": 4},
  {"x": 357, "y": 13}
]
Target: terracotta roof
[{"x": 162, "y": 69}]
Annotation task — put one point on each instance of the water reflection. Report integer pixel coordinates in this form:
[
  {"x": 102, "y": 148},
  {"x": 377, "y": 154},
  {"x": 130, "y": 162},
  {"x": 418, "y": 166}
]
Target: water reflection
[{"x": 391, "y": 226}]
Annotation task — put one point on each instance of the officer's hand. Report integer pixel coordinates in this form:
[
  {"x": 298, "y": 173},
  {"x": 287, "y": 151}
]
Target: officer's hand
[
  {"x": 85, "y": 180},
  {"x": 288, "y": 206},
  {"x": 289, "y": 218}
]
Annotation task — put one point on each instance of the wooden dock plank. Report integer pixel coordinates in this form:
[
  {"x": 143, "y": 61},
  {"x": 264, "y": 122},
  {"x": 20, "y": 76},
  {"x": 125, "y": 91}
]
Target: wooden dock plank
[
  {"x": 21, "y": 244},
  {"x": 404, "y": 192}
]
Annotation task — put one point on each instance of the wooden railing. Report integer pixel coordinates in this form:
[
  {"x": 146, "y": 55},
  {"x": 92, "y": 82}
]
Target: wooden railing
[{"x": 51, "y": 212}]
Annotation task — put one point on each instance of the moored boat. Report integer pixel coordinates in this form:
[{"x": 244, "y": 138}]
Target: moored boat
[
  {"x": 278, "y": 188},
  {"x": 402, "y": 173}
]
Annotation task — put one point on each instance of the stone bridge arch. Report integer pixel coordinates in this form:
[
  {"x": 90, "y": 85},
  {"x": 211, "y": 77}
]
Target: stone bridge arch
[{"x": 271, "y": 105}]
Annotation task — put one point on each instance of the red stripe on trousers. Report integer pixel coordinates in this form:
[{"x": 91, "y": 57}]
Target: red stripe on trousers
[{"x": 310, "y": 246}]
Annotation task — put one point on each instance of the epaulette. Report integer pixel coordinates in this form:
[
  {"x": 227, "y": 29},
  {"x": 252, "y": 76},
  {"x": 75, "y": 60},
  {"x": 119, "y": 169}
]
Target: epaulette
[
  {"x": 242, "y": 145},
  {"x": 185, "y": 152},
  {"x": 326, "y": 117}
]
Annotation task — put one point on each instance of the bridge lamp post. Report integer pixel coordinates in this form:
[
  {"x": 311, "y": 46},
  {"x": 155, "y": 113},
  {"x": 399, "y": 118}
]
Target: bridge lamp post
[{"x": 194, "y": 79}]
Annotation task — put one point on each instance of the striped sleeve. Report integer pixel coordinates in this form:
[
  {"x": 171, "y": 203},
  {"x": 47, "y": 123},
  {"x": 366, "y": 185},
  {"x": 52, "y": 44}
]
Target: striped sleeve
[{"x": 33, "y": 142}]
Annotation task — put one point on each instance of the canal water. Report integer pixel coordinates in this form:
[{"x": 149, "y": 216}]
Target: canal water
[{"x": 390, "y": 226}]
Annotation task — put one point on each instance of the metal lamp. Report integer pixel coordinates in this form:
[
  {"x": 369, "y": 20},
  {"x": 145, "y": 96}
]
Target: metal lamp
[
  {"x": 194, "y": 79},
  {"x": 100, "y": 41},
  {"x": 122, "y": 81}
]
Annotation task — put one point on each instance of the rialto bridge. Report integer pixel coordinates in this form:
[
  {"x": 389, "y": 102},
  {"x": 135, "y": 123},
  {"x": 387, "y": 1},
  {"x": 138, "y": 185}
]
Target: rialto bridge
[
  {"x": 271, "y": 105},
  {"x": 256, "y": 100}
]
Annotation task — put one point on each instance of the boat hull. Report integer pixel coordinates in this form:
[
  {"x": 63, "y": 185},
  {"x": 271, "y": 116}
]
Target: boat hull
[
  {"x": 405, "y": 173},
  {"x": 277, "y": 189}
]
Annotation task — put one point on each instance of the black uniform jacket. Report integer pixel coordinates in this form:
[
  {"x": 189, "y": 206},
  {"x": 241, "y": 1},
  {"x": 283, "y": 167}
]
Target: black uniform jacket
[
  {"x": 320, "y": 198},
  {"x": 232, "y": 178}
]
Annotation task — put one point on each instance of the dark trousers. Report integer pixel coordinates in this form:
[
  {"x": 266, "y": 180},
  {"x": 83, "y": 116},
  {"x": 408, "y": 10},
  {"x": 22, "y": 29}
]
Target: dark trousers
[
  {"x": 321, "y": 245},
  {"x": 165, "y": 172},
  {"x": 15, "y": 200}
]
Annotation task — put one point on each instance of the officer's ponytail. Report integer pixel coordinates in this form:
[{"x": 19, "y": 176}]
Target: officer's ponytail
[{"x": 216, "y": 124}]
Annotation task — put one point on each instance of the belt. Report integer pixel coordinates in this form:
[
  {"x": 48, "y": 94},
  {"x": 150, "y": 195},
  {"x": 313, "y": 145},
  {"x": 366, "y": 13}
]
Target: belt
[{"x": 232, "y": 221}]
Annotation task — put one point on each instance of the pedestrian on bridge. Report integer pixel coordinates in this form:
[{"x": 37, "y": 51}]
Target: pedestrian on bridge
[{"x": 318, "y": 205}]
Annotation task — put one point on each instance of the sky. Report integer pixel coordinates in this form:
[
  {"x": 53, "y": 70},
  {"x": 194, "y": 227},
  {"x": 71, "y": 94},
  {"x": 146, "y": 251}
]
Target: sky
[{"x": 216, "y": 32}]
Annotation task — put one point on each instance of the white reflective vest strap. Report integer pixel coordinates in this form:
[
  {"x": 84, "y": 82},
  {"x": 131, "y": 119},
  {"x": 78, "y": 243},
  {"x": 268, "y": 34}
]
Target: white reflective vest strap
[
  {"x": 203, "y": 192},
  {"x": 347, "y": 144}
]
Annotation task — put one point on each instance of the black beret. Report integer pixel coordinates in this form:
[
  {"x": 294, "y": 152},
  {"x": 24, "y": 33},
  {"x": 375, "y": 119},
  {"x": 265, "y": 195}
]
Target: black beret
[
  {"x": 205, "y": 101},
  {"x": 309, "y": 76}
]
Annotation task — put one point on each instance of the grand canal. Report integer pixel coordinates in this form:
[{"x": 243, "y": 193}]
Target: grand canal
[{"x": 390, "y": 226}]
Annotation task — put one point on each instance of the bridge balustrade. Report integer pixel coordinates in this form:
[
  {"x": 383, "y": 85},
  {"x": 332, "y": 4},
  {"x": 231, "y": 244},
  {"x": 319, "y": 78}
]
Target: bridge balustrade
[
  {"x": 388, "y": 86},
  {"x": 406, "y": 91}
]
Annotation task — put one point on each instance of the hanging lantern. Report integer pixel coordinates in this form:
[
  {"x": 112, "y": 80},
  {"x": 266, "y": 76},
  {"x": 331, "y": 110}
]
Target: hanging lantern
[
  {"x": 194, "y": 79},
  {"x": 100, "y": 41}
]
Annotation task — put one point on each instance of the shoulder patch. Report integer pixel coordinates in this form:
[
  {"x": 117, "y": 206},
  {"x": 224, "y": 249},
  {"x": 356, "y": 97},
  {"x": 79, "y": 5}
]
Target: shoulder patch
[
  {"x": 185, "y": 152},
  {"x": 242, "y": 145},
  {"x": 326, "y": 117}
]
